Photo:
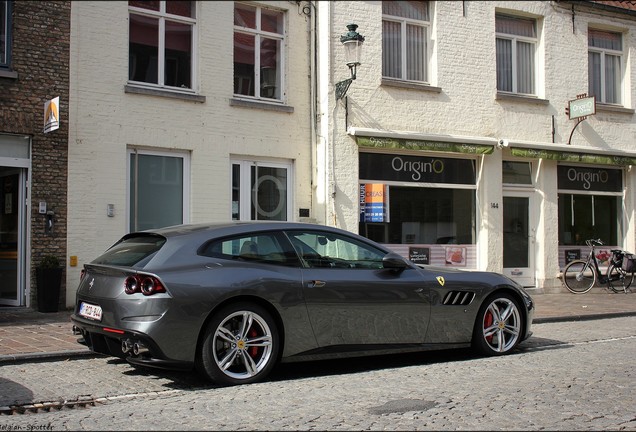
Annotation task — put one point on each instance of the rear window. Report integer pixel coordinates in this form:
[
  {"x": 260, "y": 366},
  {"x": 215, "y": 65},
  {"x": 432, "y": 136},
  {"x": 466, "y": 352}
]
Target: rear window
[{"x": 132, "y": 251}]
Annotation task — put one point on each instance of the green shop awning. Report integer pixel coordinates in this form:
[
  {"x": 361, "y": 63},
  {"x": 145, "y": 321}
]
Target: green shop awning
[
  {"x": 411, "y": 144},
  {"x": 565, "y": 156}
]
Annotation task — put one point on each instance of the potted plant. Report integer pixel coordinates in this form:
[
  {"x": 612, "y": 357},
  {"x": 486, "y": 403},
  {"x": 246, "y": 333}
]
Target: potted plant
[{"x": 49, "y": 280}]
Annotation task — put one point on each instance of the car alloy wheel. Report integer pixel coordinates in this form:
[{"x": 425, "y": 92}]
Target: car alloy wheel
[
  {"x": 498, "y": 325},
  {"x": 240, "y": 345}
]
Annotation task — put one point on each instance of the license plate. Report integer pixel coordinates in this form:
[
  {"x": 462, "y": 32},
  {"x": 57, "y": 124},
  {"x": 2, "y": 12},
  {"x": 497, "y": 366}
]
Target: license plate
[{"x": 90, "y": 311}]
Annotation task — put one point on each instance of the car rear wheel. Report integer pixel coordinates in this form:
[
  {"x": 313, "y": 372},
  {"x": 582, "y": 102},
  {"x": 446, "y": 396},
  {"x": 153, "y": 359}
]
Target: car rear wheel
[
  {"x": 498, "y": 326},
  {"x": 240, "y": 345}
]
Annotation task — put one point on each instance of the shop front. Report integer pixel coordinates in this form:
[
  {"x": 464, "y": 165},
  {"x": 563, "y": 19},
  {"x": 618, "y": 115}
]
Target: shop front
[
  {"x": 421, "y": 204},
  {"x": 593, "y": 191}
]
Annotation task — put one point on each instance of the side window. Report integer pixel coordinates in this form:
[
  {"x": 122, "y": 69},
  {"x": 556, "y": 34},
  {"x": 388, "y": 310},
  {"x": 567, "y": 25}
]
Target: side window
[
  {"x": 516, "y": 50},
  {"x": 258, "y": 57},
  {"x": 605, "y": 57},
  {"x": 405, "y": 40},
  {"x": 266, "y": 248},
  {"x": 5, "y": 34},
  {"x": 326, "y": 249},
  {"x": 161, "y": 39}
]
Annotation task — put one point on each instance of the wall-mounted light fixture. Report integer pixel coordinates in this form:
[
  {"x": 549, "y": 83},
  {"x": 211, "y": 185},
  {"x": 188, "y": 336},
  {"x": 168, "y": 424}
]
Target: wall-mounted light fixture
[{"x": 352, "y": 42}]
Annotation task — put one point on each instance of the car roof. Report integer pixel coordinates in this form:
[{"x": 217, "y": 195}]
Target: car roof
[{"x": 233, "y": 227}]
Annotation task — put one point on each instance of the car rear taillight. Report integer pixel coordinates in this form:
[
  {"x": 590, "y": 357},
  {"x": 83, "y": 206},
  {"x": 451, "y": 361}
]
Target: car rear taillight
[
  {"x": 147, "y": 285},
  {"x": 82, "y": 274}
]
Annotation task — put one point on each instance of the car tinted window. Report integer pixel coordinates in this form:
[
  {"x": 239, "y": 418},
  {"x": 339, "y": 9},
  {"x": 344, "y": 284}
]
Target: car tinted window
[
  {"x": 132, "y": 251},
  {"x": 267, "y": 248},
  {"x": 325, "y": 249}
]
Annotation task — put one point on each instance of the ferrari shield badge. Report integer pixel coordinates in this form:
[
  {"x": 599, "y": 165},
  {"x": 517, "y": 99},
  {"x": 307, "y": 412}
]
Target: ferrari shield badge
[{"x": 441, "y": 280}]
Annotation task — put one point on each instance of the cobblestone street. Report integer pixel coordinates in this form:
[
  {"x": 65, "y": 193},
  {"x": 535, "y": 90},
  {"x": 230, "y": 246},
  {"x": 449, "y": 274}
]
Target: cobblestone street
[{"x": 559, "y": 380}]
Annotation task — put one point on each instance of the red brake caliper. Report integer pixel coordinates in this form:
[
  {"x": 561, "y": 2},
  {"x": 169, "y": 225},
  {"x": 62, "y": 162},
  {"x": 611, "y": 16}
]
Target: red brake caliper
[
  {"x": 488, "y": 320},
  {"x": 253, "y": 350}
]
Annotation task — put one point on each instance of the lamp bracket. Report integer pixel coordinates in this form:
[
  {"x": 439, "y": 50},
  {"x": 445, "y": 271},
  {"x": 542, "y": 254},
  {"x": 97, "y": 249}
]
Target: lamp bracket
[{"x": 342, "y": 87}]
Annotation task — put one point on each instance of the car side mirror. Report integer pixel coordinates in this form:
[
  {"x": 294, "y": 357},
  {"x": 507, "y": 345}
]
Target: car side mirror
[{"x": 394, "y": 261}]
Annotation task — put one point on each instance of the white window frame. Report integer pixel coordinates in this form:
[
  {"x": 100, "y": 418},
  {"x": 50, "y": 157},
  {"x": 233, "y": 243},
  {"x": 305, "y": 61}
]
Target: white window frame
[
  {"x": 245, "y": 192},
  {"x": 404, "y": 22},
  {"x": 258, "y": 33},
  {"x": 186, "y": 180},
  {"x": 162, "y": 15},
  {"x": 610, "y": 52},
  {"x": 515, "y": 39}
]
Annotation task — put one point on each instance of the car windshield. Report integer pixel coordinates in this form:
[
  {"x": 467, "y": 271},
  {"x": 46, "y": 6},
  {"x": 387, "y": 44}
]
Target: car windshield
[{"x": 132, "y": 251}]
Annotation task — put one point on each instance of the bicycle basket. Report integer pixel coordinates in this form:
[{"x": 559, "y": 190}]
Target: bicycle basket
[{"x": 629, "y": 263}]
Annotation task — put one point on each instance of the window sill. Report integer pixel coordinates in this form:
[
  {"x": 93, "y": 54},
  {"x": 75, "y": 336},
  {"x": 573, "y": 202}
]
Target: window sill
[
  {"x": 521, "y": 98},
  {"x": 5, "y": 73},
  {"x": 613, "y": 108},
  {"x": 261, "y": 105},
  {"x": 410, "y": 85},
  {"x": 128, "y": 88}
]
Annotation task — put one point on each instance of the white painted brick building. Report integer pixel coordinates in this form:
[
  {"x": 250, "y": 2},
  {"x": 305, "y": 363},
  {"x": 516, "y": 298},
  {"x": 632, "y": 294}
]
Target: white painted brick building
[
  {"x": 497, "y": 77},
  {"x": 194, "y": 138}
]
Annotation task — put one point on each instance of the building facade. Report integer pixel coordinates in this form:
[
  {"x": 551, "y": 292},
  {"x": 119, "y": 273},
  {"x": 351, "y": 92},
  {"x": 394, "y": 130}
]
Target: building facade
[
  {"x": 453, "y": 145},
  {"x": 34, "y": 70},
  {"x": 186, "y": 112}
]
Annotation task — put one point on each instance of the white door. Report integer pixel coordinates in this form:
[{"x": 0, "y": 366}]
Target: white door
[{"x": 518, "y": 237}]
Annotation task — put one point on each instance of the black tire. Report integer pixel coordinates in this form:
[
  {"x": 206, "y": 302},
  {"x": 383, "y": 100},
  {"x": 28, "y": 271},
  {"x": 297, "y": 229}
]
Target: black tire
[
  {"x": 240, "y": 345},
  {"x": 498, "y": 327},
  {"x": 579, "y": 277},
  {"x": 618, "y": 280}
]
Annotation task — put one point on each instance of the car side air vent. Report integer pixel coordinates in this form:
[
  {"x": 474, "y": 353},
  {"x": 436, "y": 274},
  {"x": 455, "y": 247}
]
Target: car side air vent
[{"x": 458, "y": 298}]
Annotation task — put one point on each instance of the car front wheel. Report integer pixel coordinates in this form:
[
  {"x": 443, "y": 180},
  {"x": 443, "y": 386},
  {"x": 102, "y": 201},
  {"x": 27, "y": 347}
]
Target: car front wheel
[
  {"x": 240, "y": 345},
  {"x": 498, "y": 326}
]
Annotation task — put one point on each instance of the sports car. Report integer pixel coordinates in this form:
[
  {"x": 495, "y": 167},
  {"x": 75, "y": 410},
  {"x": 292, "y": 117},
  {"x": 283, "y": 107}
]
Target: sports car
[{"x": 232, "y": 300}]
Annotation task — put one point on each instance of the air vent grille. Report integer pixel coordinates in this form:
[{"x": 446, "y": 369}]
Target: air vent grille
[{"x": 458, "y": 298}]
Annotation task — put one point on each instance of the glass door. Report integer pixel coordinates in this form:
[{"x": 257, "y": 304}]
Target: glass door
[
  {"x": 518, "y": 238},
  {"x": 12, "y": 229}
]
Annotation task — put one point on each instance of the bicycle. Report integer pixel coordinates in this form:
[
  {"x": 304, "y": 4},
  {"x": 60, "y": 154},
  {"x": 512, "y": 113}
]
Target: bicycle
[{"x": 579, "y": 276}]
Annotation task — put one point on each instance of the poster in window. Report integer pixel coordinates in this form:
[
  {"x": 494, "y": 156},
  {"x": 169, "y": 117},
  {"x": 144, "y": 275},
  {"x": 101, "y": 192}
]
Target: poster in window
[
  {"x": 572, "y": 254},
  {"x": 455, "y": 256},
  {"x": 374, "y": 206},
  {"x": 420, "y": 255}
]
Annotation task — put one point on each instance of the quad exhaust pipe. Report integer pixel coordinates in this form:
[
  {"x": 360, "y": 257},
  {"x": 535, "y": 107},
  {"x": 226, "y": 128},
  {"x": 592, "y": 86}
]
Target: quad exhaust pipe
[
  {"x": 134, "y": 348},
  {"x": 126, "y": 346},
  {"x": 139, "y": 348}
]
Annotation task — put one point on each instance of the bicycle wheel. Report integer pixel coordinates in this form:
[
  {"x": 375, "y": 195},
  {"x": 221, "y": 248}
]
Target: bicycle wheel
[
  {"x": 618, "y": 280},
  {"x": 579, "y": 277}
]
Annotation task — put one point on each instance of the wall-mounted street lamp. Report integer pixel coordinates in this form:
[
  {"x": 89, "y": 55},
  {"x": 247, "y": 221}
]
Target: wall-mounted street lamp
[{"x": 352, "y": 42}]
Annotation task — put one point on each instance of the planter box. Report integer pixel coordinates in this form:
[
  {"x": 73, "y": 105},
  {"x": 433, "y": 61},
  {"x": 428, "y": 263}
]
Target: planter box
[{"x": 49, "y": 282}]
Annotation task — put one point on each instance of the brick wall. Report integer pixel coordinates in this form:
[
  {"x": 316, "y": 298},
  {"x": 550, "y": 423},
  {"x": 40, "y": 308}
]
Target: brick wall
[{"x": 40, "y": 57}]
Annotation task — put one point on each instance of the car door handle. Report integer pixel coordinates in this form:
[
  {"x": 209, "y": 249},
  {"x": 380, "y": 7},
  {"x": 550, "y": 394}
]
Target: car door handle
[{"x": 316, "y": 284}]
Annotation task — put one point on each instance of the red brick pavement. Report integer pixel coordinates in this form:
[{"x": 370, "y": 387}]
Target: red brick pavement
[{"x": 25, "y": 333}]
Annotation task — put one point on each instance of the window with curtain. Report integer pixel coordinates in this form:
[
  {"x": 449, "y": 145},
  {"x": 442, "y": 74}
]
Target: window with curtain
[
  {"x": 516, "y": 45},
  {"x": 605, "y": 53},
  {"x": 161, "y": 40},
  {"x": 258, "y": 42},
  {"x": 405, "y": 40},
  {"x": 261, "y": 190},
  {"x": 5, "y": 35}
]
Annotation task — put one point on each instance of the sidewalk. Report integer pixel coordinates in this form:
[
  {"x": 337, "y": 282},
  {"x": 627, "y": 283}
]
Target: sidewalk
[{"x": 26, "y": 334}]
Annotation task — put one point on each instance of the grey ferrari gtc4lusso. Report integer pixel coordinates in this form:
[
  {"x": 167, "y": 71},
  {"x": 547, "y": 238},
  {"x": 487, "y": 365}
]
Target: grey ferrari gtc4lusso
[{"x": 234, "y": 299}]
